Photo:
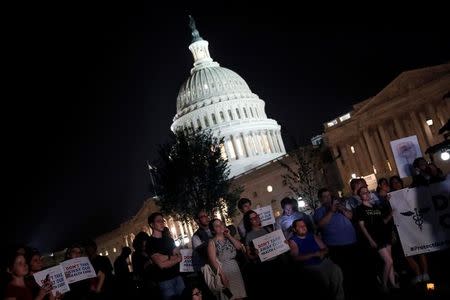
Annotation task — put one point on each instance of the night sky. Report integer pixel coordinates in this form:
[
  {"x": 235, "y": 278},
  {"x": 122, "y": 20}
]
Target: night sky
[{"x": 93, "y": 94}]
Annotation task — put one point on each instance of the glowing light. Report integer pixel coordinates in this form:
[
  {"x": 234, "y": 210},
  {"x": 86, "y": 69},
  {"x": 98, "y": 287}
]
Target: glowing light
[
  {"x": 51, "y": 255},
  {"x": 269, "y": 188},
  {"x": 101, "y": 254},
  {"x": 445, "y": 156},
  {"x": 177, "y": 243},
  {"x": 374, "y": 170},
  {"x": 352, "y": 149},
  {"x": 430, "y": 122},
  {"x": 430, "y": 286},
  {"x": 114, "y": 250},
  {"x": 106, "y": 253},
  {"x": 185, "y": 240},
  {"x": 389, "y": 165},
  {"x": 353, "y": 175},
  {"x": 301, "y": 203}
]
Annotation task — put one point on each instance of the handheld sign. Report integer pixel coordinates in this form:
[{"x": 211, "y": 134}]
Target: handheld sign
[
  {"x": 266, "y": 215},
  {"x": 78, "y": 269},
  {"x": 271, "y": 245},
  {"x": 186, "y": 262},
  {"x": 56, "y": 277}
]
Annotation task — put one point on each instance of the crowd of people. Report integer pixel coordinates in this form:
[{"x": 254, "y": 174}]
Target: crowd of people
[{"x": 346, "y": 242}]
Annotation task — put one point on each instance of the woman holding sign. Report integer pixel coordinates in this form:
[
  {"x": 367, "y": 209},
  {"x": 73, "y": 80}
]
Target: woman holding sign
[{"x": 222, "y": 253}]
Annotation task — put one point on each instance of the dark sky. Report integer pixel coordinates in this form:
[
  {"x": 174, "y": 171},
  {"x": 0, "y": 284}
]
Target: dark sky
[{"x": 93, "y": 93}]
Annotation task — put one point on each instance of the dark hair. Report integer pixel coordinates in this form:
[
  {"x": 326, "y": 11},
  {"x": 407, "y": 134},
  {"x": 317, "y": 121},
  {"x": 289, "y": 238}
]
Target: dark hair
[
  {"x": 395, "y": 177},
  {"x": 139, "y": 239},
  {"x": 289, "y": 201},
  {"x": 243, "y": 201},
  {"x": 198, "y": 212},
  {"x": 296, "y": 221},
  {"x": 152, "y": 217},
  {"x": 321, "y": 191},
  {"x": 247, "y": 222},
  {"x": 90, "y": 243},
  {"x": 126, "y": 251},
  {"x": 359, "y": 190},
  {"x": 380, "y": 182},
  {"x": 417, "y": 161},
  {"x": 353, "y": 183},
  {"x": 211, "y": 224},
  {"x": 66, "y": 256},
  {"x": 31, "y": 253},
  {"x": 11, "y": 258},
  {"x": 232, "y": 229}
]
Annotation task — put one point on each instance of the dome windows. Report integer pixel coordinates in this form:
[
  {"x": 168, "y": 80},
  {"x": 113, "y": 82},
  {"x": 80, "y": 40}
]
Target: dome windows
[{"x": 245, "y": 113}]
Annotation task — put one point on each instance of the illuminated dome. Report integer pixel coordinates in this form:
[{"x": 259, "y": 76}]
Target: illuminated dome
[{"x": 218, "y": 99}]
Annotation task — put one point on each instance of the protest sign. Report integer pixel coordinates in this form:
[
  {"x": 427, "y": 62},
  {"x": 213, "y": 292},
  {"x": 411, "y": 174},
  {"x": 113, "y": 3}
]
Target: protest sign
[
  {"x": 186, "y": 262},
  {"x": 266, "y": 215},
  {"x": 422, "y": 217},
  {"x": 271, "y": 245},
  {"x": 78, "y": 269},
  {"x": 56, "y": 277}
]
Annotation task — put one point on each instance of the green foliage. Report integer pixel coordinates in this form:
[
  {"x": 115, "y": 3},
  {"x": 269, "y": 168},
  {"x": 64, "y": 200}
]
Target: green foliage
[
  {"x": 192, "y": 175},
  {"x": 304, "y": 178}
]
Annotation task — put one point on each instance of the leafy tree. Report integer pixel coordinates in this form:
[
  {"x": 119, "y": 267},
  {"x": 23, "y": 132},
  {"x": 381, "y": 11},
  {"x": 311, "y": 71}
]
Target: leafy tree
[
  {"x": 193, "y": 175},
  {"x": 303, "y": 175}
]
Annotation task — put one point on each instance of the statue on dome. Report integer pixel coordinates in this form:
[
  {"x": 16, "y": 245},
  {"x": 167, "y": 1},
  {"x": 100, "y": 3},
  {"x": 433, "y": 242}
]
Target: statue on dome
[{"x": 195, "y": 34}]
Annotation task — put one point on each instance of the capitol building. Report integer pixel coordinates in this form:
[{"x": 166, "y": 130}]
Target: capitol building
[{"x": 216, "y": 98}]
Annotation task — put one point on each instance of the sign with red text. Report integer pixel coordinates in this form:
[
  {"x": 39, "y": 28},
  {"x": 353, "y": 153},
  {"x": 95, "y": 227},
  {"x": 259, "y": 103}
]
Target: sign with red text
[
  {"x": 78, "y": 269},
  {"x": 186, "y": 261},
  {"x": 271, "y": 245},
  {"x": 56, "y": 276},
  {"x": 265, "y": 215}
]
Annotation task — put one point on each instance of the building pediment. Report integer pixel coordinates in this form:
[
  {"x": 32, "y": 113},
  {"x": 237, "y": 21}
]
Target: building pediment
[{"x": 398, "y": 90}]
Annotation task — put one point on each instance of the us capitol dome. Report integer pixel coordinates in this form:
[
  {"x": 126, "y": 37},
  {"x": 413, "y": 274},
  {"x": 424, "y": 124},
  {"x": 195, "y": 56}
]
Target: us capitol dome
[{"x": 216, "y": 98}]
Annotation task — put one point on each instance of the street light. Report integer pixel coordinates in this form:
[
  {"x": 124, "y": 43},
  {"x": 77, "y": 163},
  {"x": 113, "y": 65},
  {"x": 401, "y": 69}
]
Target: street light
[{"x": 445, "y": 155}]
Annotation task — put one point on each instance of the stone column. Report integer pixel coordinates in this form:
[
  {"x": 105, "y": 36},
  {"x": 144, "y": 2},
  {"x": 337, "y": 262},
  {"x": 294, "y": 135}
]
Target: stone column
[
  {"x": 349, "y": 158},
  {"x": 419, "y": 131},
  {"x": 345, "y": 177},
  {"x": 125, "y": 238},
  {"x": 371, "y": 148},
  {"x": 398, "y": 127},
  {"x": 428, "y": 135},
  {"x": 269, "y": 139},
  {"x": 280, "y": 141},
  {"x": 255, "y": 143},
  {"x": 248, "y": 149},
  {"x": 274, "y": 141},
  {"x": 233, "y": 140},
  {"x": 385, "y": 140}
]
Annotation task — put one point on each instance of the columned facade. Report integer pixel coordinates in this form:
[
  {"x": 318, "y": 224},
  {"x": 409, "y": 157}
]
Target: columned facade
[{"x": 406, "y": 107}]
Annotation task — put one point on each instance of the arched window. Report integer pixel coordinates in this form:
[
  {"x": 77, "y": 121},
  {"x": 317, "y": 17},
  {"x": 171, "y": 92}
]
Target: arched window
[
  {"x": 222, "y": 117},
  {"x": 213, "y": 116},
  {"x": 245, "y": 113},
  {"x": 206, "y": 122},
  {"x": 251, "y": 112},
  {"x": 199, "y": 123},
  {"x": 238, "y": 113},
  {"x": 230, "y": 114}
]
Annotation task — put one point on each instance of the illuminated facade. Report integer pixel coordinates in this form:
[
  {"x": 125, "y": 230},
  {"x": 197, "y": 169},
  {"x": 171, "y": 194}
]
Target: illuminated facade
[
  {"x": 218, "y": 99},
  {"x": 414, "y": 103}
]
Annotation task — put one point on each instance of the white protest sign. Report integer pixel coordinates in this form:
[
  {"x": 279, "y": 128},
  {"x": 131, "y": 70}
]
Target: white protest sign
[
  {"x": 271, "y": 245},
  {"x": 186, "y": 262},
  {"x": 405, "y": 151},
  {"x": 422, "y": 217},
  {"x": 266, "y": 215},
  {"x": 78, "y": 269},
  {"x": 57, "y": 279}
]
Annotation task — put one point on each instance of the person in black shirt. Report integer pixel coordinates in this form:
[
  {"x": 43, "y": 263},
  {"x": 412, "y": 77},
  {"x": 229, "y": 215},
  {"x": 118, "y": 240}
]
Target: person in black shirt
[
  {"x": 166, "y": 256},
  {"x": 101, "y": 285}
]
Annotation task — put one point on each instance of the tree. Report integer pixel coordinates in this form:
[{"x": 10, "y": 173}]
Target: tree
[
  {"x": 193, "y": 175},
  {"x": 303, "y": 176}
]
